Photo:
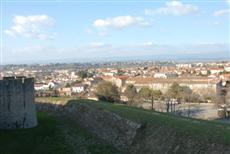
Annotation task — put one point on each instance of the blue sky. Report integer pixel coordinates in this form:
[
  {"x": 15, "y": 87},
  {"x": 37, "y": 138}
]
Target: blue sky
[{"x": 56, "y": 31}]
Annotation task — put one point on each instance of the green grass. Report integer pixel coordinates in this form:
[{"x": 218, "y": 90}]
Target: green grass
[
  {"x": 54, "y": 99},
  {"x": 53, "y": 135},
  {"x": 45, "y": 138},
  {"x": 211, "y": 131},
  {"x": 56, "y": 134}
]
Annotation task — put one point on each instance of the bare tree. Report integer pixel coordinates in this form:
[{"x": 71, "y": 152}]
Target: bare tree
[{"x": 130, "y": 92}]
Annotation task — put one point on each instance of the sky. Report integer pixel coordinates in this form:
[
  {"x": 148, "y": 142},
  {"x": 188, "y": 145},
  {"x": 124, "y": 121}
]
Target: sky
[{"x": 38, "y": 31}]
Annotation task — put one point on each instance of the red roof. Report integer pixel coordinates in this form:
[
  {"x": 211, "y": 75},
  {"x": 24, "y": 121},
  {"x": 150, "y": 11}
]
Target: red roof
[
  {"x": 106, "y": 77},
  {"x": 117, "y": 77},
  {"x": 217, "y": 69},
  {"x": 122, "y": 77}
]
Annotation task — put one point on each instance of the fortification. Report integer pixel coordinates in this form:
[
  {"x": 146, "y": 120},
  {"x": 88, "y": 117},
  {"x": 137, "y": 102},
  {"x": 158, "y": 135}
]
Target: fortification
[{"x": 17, "y": 107}]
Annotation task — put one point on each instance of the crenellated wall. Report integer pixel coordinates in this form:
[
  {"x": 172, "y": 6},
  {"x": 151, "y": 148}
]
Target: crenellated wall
[{"x": 17, "y": 107}]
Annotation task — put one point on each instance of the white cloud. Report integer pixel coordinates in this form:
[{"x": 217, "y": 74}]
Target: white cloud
[
  {"x": 147, "y": 43},
  {"x": 175, "y": 8},
  {"x": 107, "y": 52},
  {"x": 120, "y": 22},
  {"x": 216, "y": 23},
  {"x": 221, "y": 12},
  {"x": 31, "y": 27},
  {"x": 228, "y": 1},
  {"x": 97, "y": 44}
]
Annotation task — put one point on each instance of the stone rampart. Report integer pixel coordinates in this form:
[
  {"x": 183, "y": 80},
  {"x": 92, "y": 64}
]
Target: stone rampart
[{"x": 17, "y": 107}]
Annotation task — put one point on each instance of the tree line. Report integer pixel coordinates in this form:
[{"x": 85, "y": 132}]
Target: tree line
[{"x": 109, "y": 92}]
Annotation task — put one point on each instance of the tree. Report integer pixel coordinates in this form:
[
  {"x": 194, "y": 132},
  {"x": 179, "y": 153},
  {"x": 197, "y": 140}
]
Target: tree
[
  {"x": 90, "y": 75},
  {"x": 149, "y": 94},
  {"x": 131, "y": 93},
  {"x": 174, "y": 91},
  {"x": 67, "y": 85},
  {"x": 106, "y": 91},
  {"x": 179, "y": 92},
  {"x": 145, "y": 93},
  {"x": 157, "y": 94},
  {"x": 50, "y": 88},
  {"x": 186, "y": 93},
  {"x": 82, "y": 74}
]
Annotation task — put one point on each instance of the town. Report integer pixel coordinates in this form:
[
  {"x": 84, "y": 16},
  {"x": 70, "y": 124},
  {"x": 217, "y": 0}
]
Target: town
[
  {"x": 204, "y": 81},
  {"x": 114, "y": 77}
]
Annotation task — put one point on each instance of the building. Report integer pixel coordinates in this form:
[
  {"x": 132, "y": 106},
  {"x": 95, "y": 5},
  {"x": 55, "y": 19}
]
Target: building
[
  {"x": 41, "y": 86},
  {"x": 17, "y": 107},
  {"x": 196, "y": 84},
  {"x": 216, "y": 70},
  {"x": 223, "y": 91},
  {"x": 160, "y": 75},
  {"x": 184, "y": 65},
  {"x": 119, "y": 81},
  {"x": 78, "y": 88},
  {"x": 65, "y": 91},
  {"x": 227, "y": 68},
  {"x": 225, "y": 76},
  {"x": 165, "y": 75}
]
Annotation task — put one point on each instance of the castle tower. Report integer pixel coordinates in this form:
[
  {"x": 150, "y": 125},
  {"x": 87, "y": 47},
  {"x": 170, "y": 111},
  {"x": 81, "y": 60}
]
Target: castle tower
[{"x": 17, "y": 107}]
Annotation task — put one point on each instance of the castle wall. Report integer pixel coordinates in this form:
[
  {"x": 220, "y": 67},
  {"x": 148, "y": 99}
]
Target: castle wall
[{"x": 17, "y": 108}]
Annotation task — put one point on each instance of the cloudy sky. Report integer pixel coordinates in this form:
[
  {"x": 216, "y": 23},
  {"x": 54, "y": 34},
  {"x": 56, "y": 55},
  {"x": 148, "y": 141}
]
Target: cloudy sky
[{"x": 58, "y": 31}]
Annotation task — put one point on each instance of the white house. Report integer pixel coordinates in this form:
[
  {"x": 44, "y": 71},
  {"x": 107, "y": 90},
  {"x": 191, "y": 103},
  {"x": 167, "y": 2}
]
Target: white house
[
  {"x": 216, "y": 70},
  {"x": 184, "y": 65},
  {"x": 52, "y": 85},
  {"x": 160, "y": 75},
  {"x": 165, "y": 75},
  {"x": 204, "y": 72},
  {"x": 41, "y": 86},
  {"x": 78, "y": 88},
  {"x": 227, "y": 68}
]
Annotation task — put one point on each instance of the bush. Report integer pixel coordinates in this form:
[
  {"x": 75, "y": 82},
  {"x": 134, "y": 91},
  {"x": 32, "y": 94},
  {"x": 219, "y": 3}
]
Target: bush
[{"x": 106, "y": 91}]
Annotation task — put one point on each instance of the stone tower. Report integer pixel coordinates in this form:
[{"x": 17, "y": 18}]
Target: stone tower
[{"x": 17, "y": 107}]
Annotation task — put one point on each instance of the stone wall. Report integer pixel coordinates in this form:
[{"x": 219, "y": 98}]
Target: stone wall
[{"x": 17, "y": 108}]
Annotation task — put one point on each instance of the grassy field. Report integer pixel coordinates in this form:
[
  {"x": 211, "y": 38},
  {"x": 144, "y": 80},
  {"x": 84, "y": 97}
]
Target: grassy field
[
  {"x": 53, "y": 135},
  {"x": 56, "y": 134},
  {"x": 212, "y": 131},
  {"x": 46, "y": 138}
]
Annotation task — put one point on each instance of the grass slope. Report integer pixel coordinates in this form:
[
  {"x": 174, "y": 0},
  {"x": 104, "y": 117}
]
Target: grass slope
[
  {"x": 53, "y": 135},
  {"x": 56, "y": 134},
  {"x": 45, "y": 138},
  {"x": 212, "y": 131}
]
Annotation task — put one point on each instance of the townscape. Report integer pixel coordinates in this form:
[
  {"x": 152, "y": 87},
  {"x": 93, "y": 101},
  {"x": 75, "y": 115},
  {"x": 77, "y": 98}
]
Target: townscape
[
  {"x": 200, "y": 80},
  {"x": 114, "y": 77}
]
